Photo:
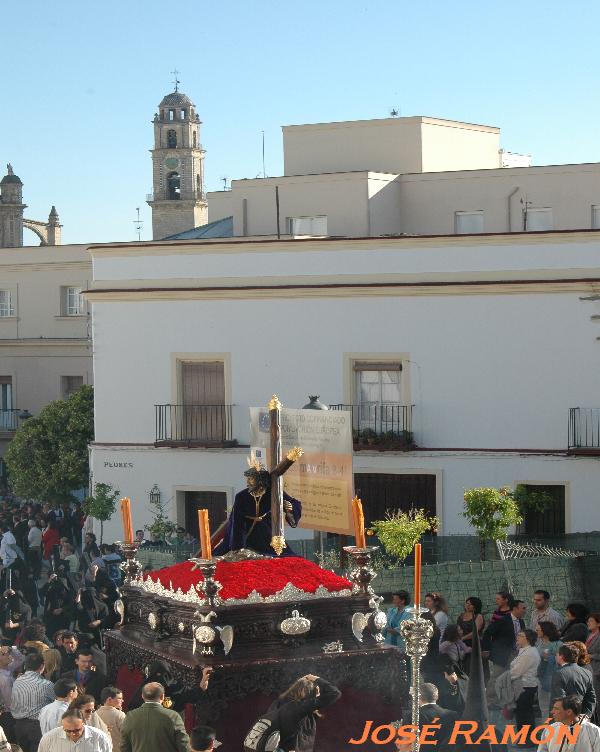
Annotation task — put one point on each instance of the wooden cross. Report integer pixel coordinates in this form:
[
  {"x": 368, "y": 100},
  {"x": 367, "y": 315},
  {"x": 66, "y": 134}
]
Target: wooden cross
[{"x": 278, "y": 467}]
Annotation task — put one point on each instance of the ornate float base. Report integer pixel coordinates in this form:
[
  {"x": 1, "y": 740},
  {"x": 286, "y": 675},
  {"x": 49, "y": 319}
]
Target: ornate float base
[
  {"x": 373, "y": 683},
  {"x": 259, "y": 639}
]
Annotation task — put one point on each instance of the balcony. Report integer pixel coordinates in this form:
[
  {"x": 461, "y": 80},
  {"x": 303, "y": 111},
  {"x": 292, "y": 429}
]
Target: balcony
[
  {"x": 194, "y": 426},
  {"x": 9, "y": 420},
  {"x": 381, "y": 427},
  {"x": 584, "y": 430}
]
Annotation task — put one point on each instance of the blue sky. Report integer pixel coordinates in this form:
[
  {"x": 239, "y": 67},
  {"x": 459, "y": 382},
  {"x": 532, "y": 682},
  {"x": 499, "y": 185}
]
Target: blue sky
[{"x": 81, "y": 82}]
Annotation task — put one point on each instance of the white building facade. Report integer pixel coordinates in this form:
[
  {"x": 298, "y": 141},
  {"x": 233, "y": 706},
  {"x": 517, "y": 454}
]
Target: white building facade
[{"x": 477, "y": 349}]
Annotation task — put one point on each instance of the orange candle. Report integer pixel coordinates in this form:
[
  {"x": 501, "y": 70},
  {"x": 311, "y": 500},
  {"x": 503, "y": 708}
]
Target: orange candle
[
  {"x": 359, "y": 522},
  {"x": 204, "y": 527},
  {"x": 417, "y": 597},
  {"x": 127, "y": 522}
]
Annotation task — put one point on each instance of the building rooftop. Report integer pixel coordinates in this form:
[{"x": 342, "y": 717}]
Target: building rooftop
[{"x": 220, "y": 228}]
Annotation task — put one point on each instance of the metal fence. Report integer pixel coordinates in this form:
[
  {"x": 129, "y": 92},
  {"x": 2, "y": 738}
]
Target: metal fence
[
  {"x": 184, "y": 424},
  {"x": 9, "y": 420},
  {"x": 584, "y": 428},
  {"x": 379, "y": 420}
]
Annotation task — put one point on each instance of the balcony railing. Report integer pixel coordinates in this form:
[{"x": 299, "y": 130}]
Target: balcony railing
[
  {"x": 197, "y": 425},
  {"x": 584, "y": 428},
  {"x": 9, "y": 420},
  {"x": 380, "y": 426}
]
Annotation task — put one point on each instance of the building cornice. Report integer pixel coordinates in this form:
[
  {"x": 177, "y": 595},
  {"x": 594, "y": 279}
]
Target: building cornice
[
  {"x": 344, "y": 289},
  {"x": 294, "y": 245}
]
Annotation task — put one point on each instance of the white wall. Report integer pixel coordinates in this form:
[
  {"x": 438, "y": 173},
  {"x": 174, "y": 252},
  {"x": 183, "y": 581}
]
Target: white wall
[
  {"x": 494, "y": 367},
  {"x": 134, "y": 470}
]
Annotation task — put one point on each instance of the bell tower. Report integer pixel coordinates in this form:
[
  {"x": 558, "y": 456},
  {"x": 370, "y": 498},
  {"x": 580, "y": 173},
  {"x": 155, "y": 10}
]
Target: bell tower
[
  {"x": 178, "y": 201},
  {"x": 11, "y": 210}
]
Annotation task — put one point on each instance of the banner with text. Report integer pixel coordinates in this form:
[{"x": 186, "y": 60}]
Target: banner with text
[{"x": 322, "y": 478}]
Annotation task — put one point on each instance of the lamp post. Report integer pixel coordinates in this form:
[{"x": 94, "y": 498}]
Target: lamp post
[{"x": 315, "y": 404}]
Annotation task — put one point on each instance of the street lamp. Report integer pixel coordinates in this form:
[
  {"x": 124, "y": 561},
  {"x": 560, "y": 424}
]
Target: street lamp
[
  {"x": 315, "y": 404},
  {"x": 154, "y": 494}
]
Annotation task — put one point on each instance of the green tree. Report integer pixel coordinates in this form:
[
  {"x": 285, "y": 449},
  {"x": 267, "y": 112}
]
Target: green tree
[
  {"x": 102, "y": 504},
  {"x": 491, "y": 511},
  {"x": 400, "y": 531},
  {"x": 48, "y": 456}
]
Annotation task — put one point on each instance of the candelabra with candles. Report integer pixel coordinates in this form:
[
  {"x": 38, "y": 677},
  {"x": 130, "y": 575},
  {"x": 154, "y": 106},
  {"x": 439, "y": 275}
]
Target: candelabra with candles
[
  {"x": 210, "y": 587},
  {"x": 362, "y": 573},
  {"x": 131, "y": 566},
  {"x": 416, "y": 633}
]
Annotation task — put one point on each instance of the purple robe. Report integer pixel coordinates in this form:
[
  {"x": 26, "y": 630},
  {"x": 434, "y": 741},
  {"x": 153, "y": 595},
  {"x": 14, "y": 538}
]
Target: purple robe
[{"x": 241, "y": 532}]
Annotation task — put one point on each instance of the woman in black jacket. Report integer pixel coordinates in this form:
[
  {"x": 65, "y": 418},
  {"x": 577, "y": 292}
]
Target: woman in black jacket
[
  {"x": 299, "y": 708},
  {"x": 575, "y": 630},
  {"x": 92, "y": 614},
  {"x": 15, "y": 613}
]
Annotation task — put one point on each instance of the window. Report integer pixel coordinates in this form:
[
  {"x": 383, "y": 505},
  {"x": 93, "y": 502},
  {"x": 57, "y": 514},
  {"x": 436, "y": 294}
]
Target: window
[
  {"x": 7, "y": 417},
  {"x": 307, "y": 225},
  {"x": 73, "y": 303},
  {"x": 194, "y": 140},
  {"x": 173, "y": 186},
  {"x": 537, "y": 220},
  {"x": 550, "y": 521},
  {"x": 171, "y": 114},
  {"x": 468, "y": 222},
  {"x": 70, "y": 384},
  {"x": 203, "y": 414},
  {"x": 595, "y": 216},
  {"x": 378, "y": 391},
  {"x": 6, "y": 306},
  {"x": 182, "y": 114},
  {"x": 171, "y": 139}
]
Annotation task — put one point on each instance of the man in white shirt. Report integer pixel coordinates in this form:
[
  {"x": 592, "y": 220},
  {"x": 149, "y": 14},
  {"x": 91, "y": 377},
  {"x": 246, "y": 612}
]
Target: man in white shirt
[
  {"x": 34, "y": 548},
  {"x": 8, "y": 547},
  {"x": 543, "y": 612},
  {"x": 73, "y": 735},
  {"x": 566, "y": 713},
  {"x": 50, "y": 717}
]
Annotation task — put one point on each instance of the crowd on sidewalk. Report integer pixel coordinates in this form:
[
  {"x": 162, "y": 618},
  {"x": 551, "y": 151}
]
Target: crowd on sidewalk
[{"x": 533, "y": 656}]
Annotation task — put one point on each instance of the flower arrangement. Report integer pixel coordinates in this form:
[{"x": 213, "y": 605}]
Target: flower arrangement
[{"x": 265, "y": 576}]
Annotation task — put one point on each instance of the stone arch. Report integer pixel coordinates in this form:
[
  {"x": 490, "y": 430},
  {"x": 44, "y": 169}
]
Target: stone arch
[{"x": 39, "y": 228}]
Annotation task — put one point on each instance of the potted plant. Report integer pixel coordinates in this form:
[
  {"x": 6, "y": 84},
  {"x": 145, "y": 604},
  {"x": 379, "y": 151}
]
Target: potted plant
[
  {"x": 492, "y": 512},
  {"x": 400, "y": 531}
]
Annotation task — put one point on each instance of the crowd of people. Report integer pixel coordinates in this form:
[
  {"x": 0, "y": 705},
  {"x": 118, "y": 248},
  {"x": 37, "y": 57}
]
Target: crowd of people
[
  {"x": 535, "y": 659},
  {"x": 59, "y": 589}
]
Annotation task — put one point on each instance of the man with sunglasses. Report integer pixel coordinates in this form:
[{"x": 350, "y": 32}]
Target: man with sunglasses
[{"x": 73, "y": 735}]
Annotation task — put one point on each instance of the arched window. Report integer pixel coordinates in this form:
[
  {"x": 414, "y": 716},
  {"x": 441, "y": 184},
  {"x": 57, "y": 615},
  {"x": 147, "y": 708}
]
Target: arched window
[
  {"x": 173, "y": 186},
  {"x": 171, "y": 139},
  {"x": 171, "y": 114},
  {"x": 182, "y": 114},
  {"x": 194, "y": 140}
]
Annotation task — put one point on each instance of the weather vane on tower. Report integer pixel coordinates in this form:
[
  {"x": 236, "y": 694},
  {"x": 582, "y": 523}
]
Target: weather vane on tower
[{"x": 176, "y": 81}]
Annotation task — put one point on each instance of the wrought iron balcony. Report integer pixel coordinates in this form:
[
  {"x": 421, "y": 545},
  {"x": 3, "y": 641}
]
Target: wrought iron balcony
[
  {"x": 584, "y": 429},
  {"x": 194, "y": 425},
  {"x": 9, "y": 420},
  {"x": 377, "y": 426}
]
